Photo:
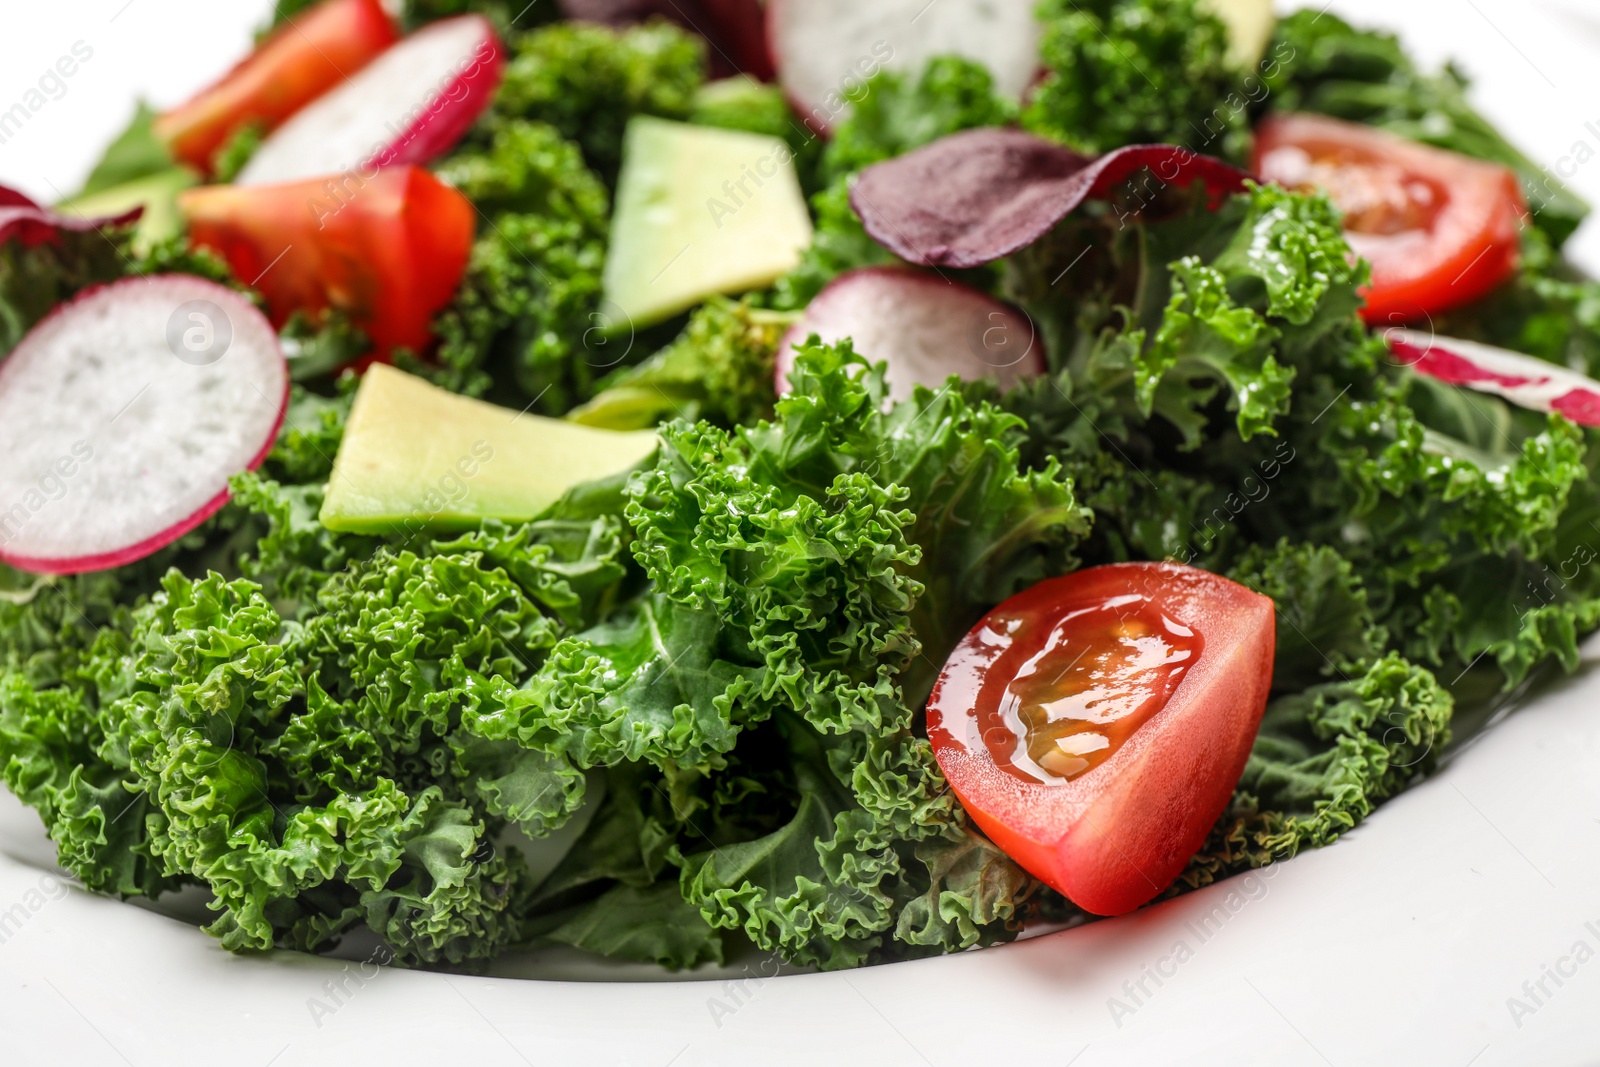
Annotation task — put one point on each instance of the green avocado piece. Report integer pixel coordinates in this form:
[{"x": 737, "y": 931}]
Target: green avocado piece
[
  {"x": 157, "y": 193},
  {"x": 700, "y": 212},
  {"x": 1250, "y": 24},
  {"x": 416, "y": 457}
]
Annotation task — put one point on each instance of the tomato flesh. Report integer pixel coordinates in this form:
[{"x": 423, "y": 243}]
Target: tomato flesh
[
  {"x": 1095, "y": 725},
  {"x": 1440, "y": 229},
  {"x": 304, "y": 58},
  {"x": 1102, "y": 672},
  {"x": 388, "y": 251}
]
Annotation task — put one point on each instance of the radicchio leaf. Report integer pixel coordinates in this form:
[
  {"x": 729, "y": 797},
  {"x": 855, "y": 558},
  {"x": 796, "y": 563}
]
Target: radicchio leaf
[
  {"x": 1523, "y": 380},
  {"x": 21, "y": 217}
]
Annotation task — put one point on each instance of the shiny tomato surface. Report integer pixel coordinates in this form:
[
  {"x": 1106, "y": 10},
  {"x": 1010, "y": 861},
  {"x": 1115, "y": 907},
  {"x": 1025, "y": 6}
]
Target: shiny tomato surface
[
  {"x": 1095, "y": 725},
  {"x": 1440, "y": 229},
  {"x": 387, "y": 250}
]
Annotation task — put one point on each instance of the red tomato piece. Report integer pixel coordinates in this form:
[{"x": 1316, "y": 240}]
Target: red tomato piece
[
  {"x": 1440, "y": 229},
  {"x": 1096, "y": 725},
  {"x": 301, "y": 60},
  {"x": 388, "y": 250}
]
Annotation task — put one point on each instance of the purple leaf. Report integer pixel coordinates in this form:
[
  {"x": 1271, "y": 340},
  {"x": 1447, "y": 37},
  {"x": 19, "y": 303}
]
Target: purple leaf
[
  {"x": 976, "y": 196},
  {"x": 20, "y": 217}
]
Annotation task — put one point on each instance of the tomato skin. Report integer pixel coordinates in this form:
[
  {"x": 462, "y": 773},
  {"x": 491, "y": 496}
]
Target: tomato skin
[
  {"x": 298, "y": 63},
  {"x": 1114, "y": 837},
  {"x": 389, "y": 250},
  {"x": 1465, "y": 244}
]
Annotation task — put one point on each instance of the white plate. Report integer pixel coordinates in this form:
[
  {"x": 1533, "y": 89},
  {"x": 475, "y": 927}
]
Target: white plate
[{"x": 1405, "y": 943}]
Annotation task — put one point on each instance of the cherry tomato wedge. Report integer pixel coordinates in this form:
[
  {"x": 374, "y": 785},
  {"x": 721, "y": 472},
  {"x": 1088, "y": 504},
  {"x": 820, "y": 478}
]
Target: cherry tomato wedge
[
  {"x": 304, "y": 58},
  {"x": 388, "y": 250},
  {"x": 1440, "y": 229},
  {"x": 1095, "y": 725}
]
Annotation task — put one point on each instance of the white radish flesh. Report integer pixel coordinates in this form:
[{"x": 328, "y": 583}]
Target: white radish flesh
[
  {"x": 923, "y": 327},
  {"x": 123, "y": 415},
  {"x": 410, "y": 105},
  {"x": 825, "y": 50}
]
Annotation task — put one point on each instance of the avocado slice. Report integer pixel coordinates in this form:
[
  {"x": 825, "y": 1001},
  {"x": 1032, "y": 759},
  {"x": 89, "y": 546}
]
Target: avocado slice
[
  {"x": 700, "y": 211},
  {"x": 1250, "y": 24},
  {"x": 416, "y": 457}
]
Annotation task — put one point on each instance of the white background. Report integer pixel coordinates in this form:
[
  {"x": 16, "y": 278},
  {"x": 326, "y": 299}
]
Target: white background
[{"x": 1402, "y": 944}]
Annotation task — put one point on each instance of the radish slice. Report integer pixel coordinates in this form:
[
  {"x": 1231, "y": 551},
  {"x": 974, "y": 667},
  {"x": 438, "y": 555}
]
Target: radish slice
[
  {"x": 1525, "y": 381},
  {"x": 410, "y": 105},
  {"x": 20, "y": 217},
  {"x": 123, "y": 415},
  {"x": 923, "y": 327},
  {"x": 826, "y": 49},
  {"x": 973, "y": 197}
]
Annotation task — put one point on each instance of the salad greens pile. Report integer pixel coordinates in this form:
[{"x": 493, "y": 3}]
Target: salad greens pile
[{"x": 704, "y": 682}]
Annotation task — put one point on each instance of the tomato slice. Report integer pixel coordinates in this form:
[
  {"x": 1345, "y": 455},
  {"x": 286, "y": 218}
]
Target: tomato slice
[
  {"x": 1440, "y": 229},
  {"x": 1095, "y": 725},
  {"x": 304, "y": 58},
  {"x": 389, "y": 250}
]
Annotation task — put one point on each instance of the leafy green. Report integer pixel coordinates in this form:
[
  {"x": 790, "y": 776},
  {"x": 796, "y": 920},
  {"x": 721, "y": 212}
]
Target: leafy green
[
  {"x": 1324, "y": 759},
  {"x": 721, "y": 369},
  {"x": 699, "y": 686},
  {"x": 784, "y": 599},
  {"x": 587, "y": 81},
  {"x": 236, "y": 151},
  {"x": 527, "y": 312},
  {"x": 1136, "y": 72},
  {"x": 838, "y": 243},
  {"x": 896, "y": 113},
  {"x": 743, "y": 103},
  {"x": 1547, "y": 309},
  {"x": 35, "y": 280},
  {"x": 1226, "y": 408},
  {"x": 135, "y": 153}
]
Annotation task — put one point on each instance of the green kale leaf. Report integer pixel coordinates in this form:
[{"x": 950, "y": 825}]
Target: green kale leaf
[{"x": 1124, "y": 72}]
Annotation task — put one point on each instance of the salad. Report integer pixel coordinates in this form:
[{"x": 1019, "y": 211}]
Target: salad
[{"x": 855, "y": 480}]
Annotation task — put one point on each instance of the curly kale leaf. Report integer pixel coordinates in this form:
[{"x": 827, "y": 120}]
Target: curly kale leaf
[
  {"x": 1124, "y": 72},
  {"x": 720, "y": 369},
  {"x": 1324, "y": 758},
  {"x": 527, "y": 309},
  {"x": 588, "y": 81},
  {"x": 896, "y": 113},
  {"x": 1547, "y": 309},
  {"x": 782, "y": 645},
  {"x": 745, "y": 104}
]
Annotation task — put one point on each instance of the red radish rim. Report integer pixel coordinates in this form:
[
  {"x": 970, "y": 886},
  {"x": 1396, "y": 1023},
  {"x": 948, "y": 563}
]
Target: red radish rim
[
  {"x": 22, "y": 216},
  {"x": 1520, "y": 379},
  {"x": 436, "y": 122},
  {"x": 70, "y": 565},
  {"x": 801, "y": 330},
  {"x": 438, "y": 129},
  {"x": 980, "y": 195},
  {"x": 132, "y": 554}
]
